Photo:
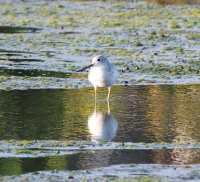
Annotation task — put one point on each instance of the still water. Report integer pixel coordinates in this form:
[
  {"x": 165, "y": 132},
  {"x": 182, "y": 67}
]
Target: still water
[
  {"x": 163, "y": 113},
  {"x": 96, "y": 159},
  {"x": 138, "y": 114}
]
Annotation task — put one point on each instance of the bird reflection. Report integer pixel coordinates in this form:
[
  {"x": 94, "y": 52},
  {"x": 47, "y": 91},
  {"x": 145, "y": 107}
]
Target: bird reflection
[{"x": 102, "y": 126}]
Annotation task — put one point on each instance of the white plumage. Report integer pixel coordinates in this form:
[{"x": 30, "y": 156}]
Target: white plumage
[{"x": 102, "y": 73}]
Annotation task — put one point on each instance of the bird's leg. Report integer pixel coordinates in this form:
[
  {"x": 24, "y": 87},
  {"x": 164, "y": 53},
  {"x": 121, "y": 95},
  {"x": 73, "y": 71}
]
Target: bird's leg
[
  {"x": 108, "y": 97},
  {"x": 95, "y": 98},
  {"x": 108, "y": 103}
]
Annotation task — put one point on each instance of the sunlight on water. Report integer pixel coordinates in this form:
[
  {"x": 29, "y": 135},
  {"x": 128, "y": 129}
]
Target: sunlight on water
[
  {"x": 149, "y": 114},
  {"x": 138, "y": 114}
]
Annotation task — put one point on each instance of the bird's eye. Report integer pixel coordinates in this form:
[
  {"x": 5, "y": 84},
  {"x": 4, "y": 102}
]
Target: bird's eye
[{"x": 98, "y": 59}]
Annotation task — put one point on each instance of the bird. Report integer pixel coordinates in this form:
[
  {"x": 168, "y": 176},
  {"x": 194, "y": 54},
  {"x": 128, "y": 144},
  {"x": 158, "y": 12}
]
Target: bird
[{"x": 102, "y": 73}]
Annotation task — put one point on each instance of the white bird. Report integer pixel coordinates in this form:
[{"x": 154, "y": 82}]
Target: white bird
[{"x": 102, "y": 73}]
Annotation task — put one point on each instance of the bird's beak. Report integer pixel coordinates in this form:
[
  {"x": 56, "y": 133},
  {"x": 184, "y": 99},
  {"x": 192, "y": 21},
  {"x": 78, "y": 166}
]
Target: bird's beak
[{"x": 84, "y": 68}]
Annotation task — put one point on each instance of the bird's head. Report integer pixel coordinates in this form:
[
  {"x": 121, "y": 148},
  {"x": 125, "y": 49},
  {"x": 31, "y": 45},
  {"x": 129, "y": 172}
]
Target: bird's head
[{"x": 97, "y": 60}]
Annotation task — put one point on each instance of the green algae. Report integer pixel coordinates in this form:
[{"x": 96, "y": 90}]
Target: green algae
[
  {"x": 173, "y": 24},
  {"x": 107, "y": 40},
  {"x": 144, "y": 178}
]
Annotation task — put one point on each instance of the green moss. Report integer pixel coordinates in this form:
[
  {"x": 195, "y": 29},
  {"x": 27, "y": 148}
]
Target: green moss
[
  {"x": 121, "y": 52},
  {"x": 53, "y": 21},
  {"x": 111, "y": 23},
  {"x": 139, "y": 21},
  {"x": 134, "y": 22},
  {"x": 140, "y": 179},
  {"x": 120, "y": 63},
  {"x": 195, "y": 12},
  {"x": 119, "y": 4},
  {"x": 179, "y": 50},
  {"x": 24, "y": 21},
  {"x": 107, "y": 40},
  {"x": 193, "y": 36},
  {"x": 26, "y": 142},
  {"x": 11, "y": 17},
  {"x": 127, "y": 14},
  {"x": 43, "y": 11},
  {"x": 69, "y": 21},
  {"x": 174, "y": 24},
  {"x": 24, "y": 151},
  {"x": 160, "y": 69},
  {"x": 72, "y": 67}
]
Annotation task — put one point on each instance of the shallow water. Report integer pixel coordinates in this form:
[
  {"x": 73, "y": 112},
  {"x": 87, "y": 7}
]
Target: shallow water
[
  {"x": 148, "y": 114},
  {"x": 96, "y": 159},
  {"x": 138, "y": 114}
]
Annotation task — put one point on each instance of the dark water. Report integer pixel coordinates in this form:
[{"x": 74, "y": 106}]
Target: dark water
[
  {"x": 138, "y": 114},
  {"x": 95, "y": 159}
]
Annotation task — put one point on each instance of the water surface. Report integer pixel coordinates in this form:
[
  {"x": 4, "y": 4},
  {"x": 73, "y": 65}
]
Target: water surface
[
  {"x": 148, "y": 114},
  {"x": 138, "y": 114},
  {"x": 97, "y": 159}
]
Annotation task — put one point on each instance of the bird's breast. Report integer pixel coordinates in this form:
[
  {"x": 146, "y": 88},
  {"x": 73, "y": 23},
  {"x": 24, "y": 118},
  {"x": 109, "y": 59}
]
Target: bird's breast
[{"x": 99, "y": 76}]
